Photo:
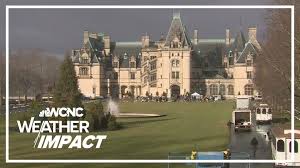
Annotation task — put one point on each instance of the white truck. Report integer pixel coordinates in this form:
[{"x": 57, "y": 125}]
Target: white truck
[
  {"x": 241, "y": 116},
  {"x": 263, "y": 114}
]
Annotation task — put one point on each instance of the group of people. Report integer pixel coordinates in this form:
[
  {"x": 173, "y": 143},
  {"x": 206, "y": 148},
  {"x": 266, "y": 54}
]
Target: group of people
[{"x": 174, "y": 98}]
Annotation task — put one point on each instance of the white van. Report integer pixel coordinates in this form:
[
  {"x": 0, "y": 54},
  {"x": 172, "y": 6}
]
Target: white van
[{"x": 263, "y": 113}]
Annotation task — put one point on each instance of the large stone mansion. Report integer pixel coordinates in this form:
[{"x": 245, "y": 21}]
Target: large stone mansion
[{"x": 173, "y": 65}]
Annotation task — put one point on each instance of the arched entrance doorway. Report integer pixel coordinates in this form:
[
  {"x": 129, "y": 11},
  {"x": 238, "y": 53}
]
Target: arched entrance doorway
[{"x": 175, "y": 91}]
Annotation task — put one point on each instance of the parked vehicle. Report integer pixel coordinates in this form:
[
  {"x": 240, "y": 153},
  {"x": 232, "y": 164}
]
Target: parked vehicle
[
  {"x": 241, "y": 116},
  {"x": 281, "y": 146},
  {"x": 263, "y": 114},
  {"x": 241, "y": 119},
  {"x": 242, "y": 102},
  {"x": 210, "y": 156}
]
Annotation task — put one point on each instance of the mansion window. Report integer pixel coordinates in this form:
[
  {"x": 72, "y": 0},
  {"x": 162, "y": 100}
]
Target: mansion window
[
  {"x": 83, "y": 71},
  {"x": 152, "y": 65},
  {"x": 175, "y": 75},
  {"x": 116, "y": 75},
  {"x": 132, "y": 75},
  {"x": 249, "y": 75},
  {"x": 94, "y": 90},
  {"x": 153, "y": 77},
  {"x": 230, "y": 90},
  {"x": 132, "y": 64},
  {"x": 115, "y": 64},
  {"x": 213, "y": 89},
  {"x": 249, "y": 62},
  {"x": 175, "y": 63},
  {"x": 152, "y": 57},
  {"x": 145, "y": 79},
  {"x": 248, "y": 89}
]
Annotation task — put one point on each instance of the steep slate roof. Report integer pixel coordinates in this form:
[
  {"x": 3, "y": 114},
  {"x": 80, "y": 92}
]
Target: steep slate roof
[
  {"x": 97, "y": 46},
  {"x": 239, "y": 42},
  {"x": 177, "y": 29},
  {"x": 212, "y": 48},
  {"x": 249, "y": 48},
  {"x": 125, "y": 50},
  {"x": 237, "y": 45}
]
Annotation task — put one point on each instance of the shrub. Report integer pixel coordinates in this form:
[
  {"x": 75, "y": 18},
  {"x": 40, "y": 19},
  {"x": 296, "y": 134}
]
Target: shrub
[
  {"x": 35, "y": 107},
  {"x": 25, "y": 116},
  {"x": 95, "y": 115},
  {"x": 112, "y": 123},
  {"x": 33, "y": 111},
  {"x": 98, "y": 119}
]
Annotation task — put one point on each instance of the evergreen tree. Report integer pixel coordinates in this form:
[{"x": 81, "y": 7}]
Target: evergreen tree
[{"x": 66, "y": 93}]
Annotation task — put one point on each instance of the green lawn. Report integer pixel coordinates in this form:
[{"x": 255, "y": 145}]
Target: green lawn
[{"x": 185, "y": 126}]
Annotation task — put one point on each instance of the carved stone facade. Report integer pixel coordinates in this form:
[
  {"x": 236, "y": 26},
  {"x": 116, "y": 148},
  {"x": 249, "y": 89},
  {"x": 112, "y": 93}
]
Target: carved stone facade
[{"x": 174, "y": 65}]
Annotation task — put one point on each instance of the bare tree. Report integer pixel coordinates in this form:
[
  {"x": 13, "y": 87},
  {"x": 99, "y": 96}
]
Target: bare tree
[
  {"x": 273, "y": 72},
  {"x": 273, "y": 66},
  {"x": 32, "y": 72}
]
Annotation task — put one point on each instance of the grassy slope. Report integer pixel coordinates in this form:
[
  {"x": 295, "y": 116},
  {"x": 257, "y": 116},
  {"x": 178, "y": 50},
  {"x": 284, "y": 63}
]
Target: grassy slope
[{"x": 185, "y": 126}]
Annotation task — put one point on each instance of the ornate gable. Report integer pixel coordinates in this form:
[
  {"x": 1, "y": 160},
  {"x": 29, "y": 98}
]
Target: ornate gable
[{"x": 177, "y": 36}]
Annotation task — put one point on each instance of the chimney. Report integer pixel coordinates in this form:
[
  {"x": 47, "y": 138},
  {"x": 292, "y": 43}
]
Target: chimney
[
  {"x": 252, "y": 34},
  {"x": 106, "y": 40},
  {"x": 85, "y": 36},
  {"x": 195, "y": 36},
  {"x": 145, "y": 41},
  {"x": 227, "y": 40}
]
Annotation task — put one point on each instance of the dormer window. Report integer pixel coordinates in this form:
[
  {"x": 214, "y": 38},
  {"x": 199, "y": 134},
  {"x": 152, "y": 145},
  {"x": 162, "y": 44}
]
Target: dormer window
[
  {"x": 84, "y": 58},
  {"x": 115, "y": 64},
  {"x": 132, "y": 64},
  {"x": 249, "y": 62},
  {"x": 125, "y": 56},
  {"x": 176, "y": 43},
  {"x": 230, "y": 53}
]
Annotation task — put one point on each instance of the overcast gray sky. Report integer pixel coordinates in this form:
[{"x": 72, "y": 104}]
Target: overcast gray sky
[{"x": 56, "y": 30}]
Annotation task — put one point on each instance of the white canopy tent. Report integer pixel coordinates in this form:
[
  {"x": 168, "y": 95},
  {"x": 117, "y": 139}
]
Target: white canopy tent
[{"x": 196, "y": 95}]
